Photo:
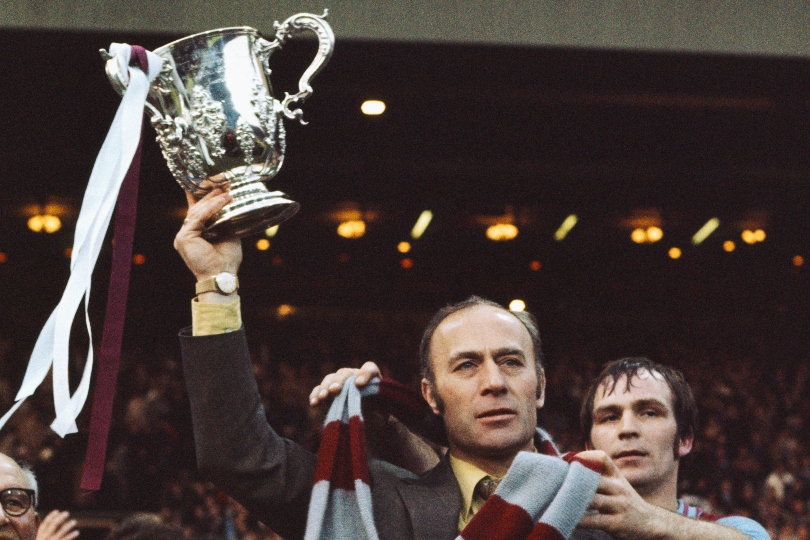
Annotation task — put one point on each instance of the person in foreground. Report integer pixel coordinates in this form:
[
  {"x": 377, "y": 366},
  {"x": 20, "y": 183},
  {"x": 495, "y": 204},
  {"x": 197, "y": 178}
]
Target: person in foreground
[
  {"x": 644, "y": 417},
  {"x": 483, "y": 377},
  {"x": 19, "y": 519}
]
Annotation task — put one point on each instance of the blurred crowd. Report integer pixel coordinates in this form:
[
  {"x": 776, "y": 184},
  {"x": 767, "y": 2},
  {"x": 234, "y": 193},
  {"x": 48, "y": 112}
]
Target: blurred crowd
[{"x": 751, "y": 457}]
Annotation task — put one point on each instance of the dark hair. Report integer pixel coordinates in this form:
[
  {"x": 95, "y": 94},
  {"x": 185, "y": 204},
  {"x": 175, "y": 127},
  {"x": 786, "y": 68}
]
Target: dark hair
[
  {"x": 524, "y": 317},
  {"x": 683, "y": 400}
]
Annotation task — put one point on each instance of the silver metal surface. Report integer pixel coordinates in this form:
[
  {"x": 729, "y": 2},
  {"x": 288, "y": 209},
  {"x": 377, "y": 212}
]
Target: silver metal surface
[{"x": 217, "y": 121}]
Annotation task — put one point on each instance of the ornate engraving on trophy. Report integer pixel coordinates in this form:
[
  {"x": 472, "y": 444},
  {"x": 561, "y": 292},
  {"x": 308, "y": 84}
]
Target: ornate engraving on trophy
[
  {"x": 208, "y": 121},
  {"x": 217, "y": 120},
  {"x": 244, "y": 135}
]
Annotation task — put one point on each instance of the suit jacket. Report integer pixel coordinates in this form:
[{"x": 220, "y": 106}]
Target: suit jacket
[{"x": 272, "y": 476}]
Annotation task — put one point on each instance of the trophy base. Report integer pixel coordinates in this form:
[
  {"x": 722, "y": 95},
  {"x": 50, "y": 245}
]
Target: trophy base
[{"x": 252, "y": 211}]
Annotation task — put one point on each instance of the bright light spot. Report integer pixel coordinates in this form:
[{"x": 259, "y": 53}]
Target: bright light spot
[
  {"x": 674, "y": 253},
  {"x": 759, "y": 235},
  {"x": 654, "y": 234},
  {"x": 404, "y": 247},
  {"x": 421, "y": 224},
  {"x": 406, "y": 263},
  {"x": 3, "y": 257},
  {"x": 51, "y": 224},
  {"x": 372, "y": 107},
  {"x": 502, "y": 232},
  {"x": 270, "y": 232},
  {"x": 639, "y": 236},
  {"x": 35, "y": 223},
  {"x": 748, "y": 237},
  {"x": 798, "y": 260},
  {"x": 285, "y": 310},
  {"x": 704, "y": 232},
  {"x": 565, "y": 228},
  {"x": 729, "y": 246},
  {"x": 138, "y": 259},
  {"x": 517, "y": 305},
  {"x": 262, "y": 244},
  {"x": 354, "y": 228},
  {"x": 535, "y": 265}
]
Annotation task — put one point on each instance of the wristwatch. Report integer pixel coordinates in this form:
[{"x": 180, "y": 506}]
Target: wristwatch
[{"x": 222, "y": 283}]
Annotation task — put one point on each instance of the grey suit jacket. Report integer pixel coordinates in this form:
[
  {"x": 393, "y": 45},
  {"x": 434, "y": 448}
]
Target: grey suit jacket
[{"x": 272, "y": 476}]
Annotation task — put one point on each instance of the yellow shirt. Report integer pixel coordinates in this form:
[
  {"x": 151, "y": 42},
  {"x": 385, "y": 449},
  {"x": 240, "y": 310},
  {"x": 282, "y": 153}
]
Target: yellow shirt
[
  {"x": 468, "y": 476},
  {"x": 208, "y": 319}
]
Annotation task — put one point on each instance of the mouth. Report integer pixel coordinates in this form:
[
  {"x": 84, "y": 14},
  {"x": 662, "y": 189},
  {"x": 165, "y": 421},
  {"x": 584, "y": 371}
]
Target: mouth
[
  {"x": 628, "y": 455},
  {"x": 496, "y": 415}
]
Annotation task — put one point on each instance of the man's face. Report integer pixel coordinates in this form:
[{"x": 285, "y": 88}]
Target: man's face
[
  {"x": 486, "y": 386},
  {"x": 22, "y": 527},
  {"x": 637, "y": 429}
]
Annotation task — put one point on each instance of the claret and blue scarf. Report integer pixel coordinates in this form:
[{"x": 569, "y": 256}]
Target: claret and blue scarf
[{"x": 542, "y": 497}]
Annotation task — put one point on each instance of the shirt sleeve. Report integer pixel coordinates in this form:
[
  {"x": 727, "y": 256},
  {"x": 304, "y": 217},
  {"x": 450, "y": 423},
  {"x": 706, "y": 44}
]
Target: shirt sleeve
[
  {"x": 745, "y": 525},
  {"x": 209, "y": 319}
]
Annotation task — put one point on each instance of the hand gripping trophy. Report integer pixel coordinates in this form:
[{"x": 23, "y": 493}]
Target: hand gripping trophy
[{"x": 218, "y": 123}]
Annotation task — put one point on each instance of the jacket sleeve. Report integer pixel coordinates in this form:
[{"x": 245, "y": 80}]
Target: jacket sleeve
[{"x": 236, "y": 448}]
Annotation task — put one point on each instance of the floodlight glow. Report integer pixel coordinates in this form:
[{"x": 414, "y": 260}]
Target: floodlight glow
[
  {"x": 517, "y": 305},
  {"x": 372, "y": 107},
  {"x": 270, "y": 232},
  {"x": 674, "y": 253},
  {"x": 404, "y": 247},
  {"x": 421, "y": 224},
  {"x": 704, "y": 232},
  {"x": 566, "y": 227},
  {"x": 654, "y": 234},
  {"x": 501, "y": 232},
  {"x": 353, "y": 228}
]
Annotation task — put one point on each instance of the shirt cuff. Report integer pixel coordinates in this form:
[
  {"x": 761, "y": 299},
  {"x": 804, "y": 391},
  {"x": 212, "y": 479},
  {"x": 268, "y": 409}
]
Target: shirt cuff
[{"x": 209, "y": 319}]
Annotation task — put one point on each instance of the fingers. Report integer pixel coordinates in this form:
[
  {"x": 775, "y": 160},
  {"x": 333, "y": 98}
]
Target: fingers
[
  {"x": 333, "y": 382},
  {"x": 57, "y": 526},
  {"x": 201, "y": 211},
  {"x": 368, "y": 371}
]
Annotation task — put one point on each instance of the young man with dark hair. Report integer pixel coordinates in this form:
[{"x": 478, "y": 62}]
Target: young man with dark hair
[{"x": 644, "y": 417}]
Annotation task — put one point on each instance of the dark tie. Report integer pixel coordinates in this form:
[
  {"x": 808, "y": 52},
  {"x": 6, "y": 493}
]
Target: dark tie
[{"x": 486, "y": 487}]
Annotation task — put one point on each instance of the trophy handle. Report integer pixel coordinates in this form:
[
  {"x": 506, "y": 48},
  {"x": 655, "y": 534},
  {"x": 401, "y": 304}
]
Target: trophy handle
[
  {"x": 118, "y": 80},
  {"x": 326, "y": 44}
]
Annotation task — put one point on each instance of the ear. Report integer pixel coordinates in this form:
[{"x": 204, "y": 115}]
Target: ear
[
  {"x": 427, "y": 393},
  {"x": 541, "y": 390},
  {"x": 685, "y": 445}
]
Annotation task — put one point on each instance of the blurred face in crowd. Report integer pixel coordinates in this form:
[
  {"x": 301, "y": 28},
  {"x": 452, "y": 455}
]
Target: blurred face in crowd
[
  {"x": 485, "y": 383},
  {"x": 636, "y": 427},
  {"x": 22, "y": 527}
]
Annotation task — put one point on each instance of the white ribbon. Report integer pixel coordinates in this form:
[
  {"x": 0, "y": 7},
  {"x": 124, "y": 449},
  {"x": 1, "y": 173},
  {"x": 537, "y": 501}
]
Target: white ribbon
[{"x": 111, "y": 167}]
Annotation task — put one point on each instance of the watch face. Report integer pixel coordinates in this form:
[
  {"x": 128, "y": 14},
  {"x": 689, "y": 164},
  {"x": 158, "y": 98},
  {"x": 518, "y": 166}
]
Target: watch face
[{"x": 226, "y": 282}]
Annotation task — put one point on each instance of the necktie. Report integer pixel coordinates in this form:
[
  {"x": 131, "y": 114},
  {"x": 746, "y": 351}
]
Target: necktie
[{"x": 486, "y": 487}]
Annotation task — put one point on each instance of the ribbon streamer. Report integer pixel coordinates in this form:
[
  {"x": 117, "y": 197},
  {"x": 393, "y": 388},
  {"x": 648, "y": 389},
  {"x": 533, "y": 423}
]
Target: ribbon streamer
[{"x": 111, "y": 166}]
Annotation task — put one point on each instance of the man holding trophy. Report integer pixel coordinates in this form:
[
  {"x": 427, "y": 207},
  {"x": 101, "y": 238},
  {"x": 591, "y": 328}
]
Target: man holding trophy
[{"x": 222, "y": 134}]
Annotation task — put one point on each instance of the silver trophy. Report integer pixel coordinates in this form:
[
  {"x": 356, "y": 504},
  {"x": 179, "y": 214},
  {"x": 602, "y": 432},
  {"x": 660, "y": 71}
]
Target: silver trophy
[{"x": 218, "y": 123}]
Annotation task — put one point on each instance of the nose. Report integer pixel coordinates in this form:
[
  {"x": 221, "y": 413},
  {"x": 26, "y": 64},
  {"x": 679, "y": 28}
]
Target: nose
[
  {"x": 493, "y": 380},
  {"x": 627, "y": 426}
]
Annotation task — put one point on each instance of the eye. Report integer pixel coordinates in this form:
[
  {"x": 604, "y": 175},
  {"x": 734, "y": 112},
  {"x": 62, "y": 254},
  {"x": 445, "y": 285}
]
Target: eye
[
  {"x": 601, "y": 419},
  {"x": 512, "y": 361},
  {"x": 464, "y": 366}
]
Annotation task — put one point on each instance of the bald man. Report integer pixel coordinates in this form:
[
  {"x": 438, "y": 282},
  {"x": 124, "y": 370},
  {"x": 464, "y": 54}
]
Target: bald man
[{"x": 18, "y": 518}]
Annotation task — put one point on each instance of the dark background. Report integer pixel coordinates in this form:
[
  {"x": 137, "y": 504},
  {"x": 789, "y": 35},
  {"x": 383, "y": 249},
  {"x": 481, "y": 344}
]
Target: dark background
[{"x": 470, "y": 132}]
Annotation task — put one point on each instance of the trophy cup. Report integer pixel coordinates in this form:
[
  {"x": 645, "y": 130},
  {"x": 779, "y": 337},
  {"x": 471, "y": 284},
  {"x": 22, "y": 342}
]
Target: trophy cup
[{"x": 218, "y": 123}]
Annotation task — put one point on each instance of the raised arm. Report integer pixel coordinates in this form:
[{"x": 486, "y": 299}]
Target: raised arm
[{"x": 236, "y": 448}]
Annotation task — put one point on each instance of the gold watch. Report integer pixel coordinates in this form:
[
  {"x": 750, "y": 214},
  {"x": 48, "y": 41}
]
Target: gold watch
[{"x": 222, "y": 283}]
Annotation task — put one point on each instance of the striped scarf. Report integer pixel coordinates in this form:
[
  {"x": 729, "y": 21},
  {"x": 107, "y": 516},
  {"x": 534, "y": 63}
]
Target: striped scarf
[{"x": 542, "y": 497}]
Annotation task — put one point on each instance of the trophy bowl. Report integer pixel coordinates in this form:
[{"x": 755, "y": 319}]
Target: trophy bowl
[{"x": 218, "y": 123}]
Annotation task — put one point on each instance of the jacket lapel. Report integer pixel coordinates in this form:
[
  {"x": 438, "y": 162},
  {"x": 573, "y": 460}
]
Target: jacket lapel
[{"x": 433, "y": 502}]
